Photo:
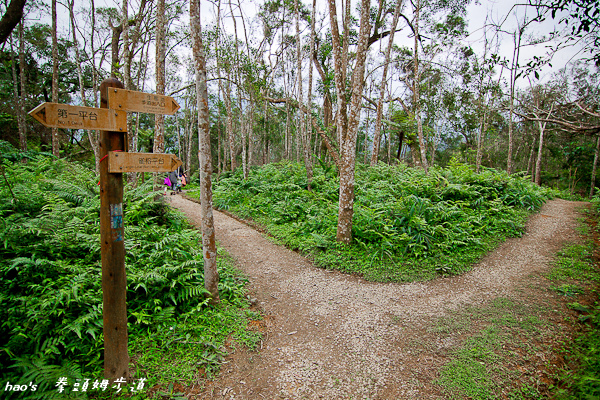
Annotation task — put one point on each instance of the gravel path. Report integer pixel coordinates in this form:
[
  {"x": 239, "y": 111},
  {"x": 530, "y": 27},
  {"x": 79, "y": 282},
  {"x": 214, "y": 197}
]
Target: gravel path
[{"x": 334, "y": 336}]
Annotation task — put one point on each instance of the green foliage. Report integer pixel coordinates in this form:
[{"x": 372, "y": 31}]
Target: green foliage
[
  {"x": 407, "y": 225},
  {"x": 50, "y": 285}
]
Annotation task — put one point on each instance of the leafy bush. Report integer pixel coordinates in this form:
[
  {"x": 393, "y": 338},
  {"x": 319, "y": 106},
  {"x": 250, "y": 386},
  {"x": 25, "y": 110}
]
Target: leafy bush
[
  {"x": 407, "y": 225},
  {"x": 50, "y": 285}
]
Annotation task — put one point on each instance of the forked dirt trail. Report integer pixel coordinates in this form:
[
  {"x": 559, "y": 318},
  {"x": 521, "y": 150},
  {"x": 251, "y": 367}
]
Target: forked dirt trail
[{"x": 335, "y": 336}]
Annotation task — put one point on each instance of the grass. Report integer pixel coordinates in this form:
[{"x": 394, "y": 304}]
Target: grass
[
  {"x": 577, "y": 276},
  {"x": 407, "y": 226},
  {"x": 492, "y": 363},
  {"x": 502, "y": 359}
]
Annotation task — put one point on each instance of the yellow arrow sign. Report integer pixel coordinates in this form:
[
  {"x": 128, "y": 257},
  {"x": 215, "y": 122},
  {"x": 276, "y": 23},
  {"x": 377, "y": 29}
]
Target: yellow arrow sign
[
  {"x": 54, "y": 115},
  {"x": 142, "y": 162},
  {"x": 129, "y": 100}
]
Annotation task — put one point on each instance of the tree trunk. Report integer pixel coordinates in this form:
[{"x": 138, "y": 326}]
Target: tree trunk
[
  {"x": 239, "y": 95},
  {"x": 250, "y": 130},
  {"x": 91, "y": 134},
  {"x": 287, "y": 132},
  {"x": 348, "y": 122},
  {"x": 310, "y": 78},
  {"x": 482, "y": 129},
  {"x": 388, "y": 52},
  {"x": 159, "y": 119},
  {"x": 22, "y": 69},
  {"x": 230, "y": 123},
  {"x": 188, "y": 155},
  {"x": 513, "y": 79},
  {"x": 538, "y": 164},
  {"x": 243, "y": 117},
  {"x": 95, "y": 133},
  {"x": 219, "y": 149},
  {"x": 530, "y": 169},
  {"x": 132, "y": 176},
  {"x": 20, "y": 111},
  {"x": 593, "y": 180},
  {"x": 417, "y": 96},
  {"x": 305, "y": 138},
  {"x": 55, "y": 141},
  {"x": 211, "y": 275}
]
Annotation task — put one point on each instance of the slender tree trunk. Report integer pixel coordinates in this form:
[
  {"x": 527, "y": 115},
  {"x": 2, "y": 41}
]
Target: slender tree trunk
[
  {"x": 95, "y": 134},
  {"x": 159, "y": 119},
  {"x": 239, "y": 93},
  {"x": 538, "y": 164},
  {"x": 220, "y": 167},
  {"x": 287, "y": 131},
  {"x": 219, "y": 148},
  {"x": 530, "y": 169},
  {"x": 132, "y": 176},
  {"x": 91, "y": 134},
  {"x": 243, "y": 117},
  {"x": 55, "y": 139},
  {"x": 20, "y": 110},
  {"x": 417, "y": 96},
  {"x": 188, "y": 156},
  {"x": 593, "y": 180},
  {"x": 211, "y": 275},
  {"x": 513, "y": 79},
  {"x": 480, "y": 134},
  {"x": 230, "y": 123},
  {"x": 22, "y": 69},
  {"x": 310, "y": 78},
  {"x": 388, "y": 52},
  {"x": 305, "y": 138},
  {"x": 250, "y": 129}
]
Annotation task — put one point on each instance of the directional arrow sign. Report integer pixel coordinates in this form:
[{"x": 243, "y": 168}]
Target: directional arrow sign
[
  {"x": 129, "y": 100},
  {"x": 54, "y": 115},
  {"x": 142, "y": 162}
]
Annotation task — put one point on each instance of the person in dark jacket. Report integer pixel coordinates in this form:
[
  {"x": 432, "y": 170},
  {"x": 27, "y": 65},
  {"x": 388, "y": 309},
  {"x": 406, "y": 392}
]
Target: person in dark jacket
[{"x": 173, "y": 179}]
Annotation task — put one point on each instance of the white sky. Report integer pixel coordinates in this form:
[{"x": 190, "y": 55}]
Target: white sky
[{"x": 496, "y": 10}]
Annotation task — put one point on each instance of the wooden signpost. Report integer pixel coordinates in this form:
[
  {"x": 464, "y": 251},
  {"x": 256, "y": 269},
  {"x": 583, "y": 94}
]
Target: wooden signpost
[
  {"x": 54, "y": 115},
  {"x": 142, "y": 162},
  {"x": 111, "y": 120},
  {"x": 129, "y": 100}
]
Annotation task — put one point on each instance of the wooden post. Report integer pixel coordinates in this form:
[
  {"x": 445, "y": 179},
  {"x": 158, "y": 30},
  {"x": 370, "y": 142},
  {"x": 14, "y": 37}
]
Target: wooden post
[{"x": 114, "y": 282}]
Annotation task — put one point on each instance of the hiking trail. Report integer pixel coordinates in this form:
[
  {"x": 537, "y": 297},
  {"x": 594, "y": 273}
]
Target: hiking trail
[{"x": 329, "y": 335}]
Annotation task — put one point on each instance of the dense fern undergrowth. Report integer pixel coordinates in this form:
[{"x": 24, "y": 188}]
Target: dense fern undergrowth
[
  {"x": 50, "y": 285},
  {"x": 407, "y": 226}
]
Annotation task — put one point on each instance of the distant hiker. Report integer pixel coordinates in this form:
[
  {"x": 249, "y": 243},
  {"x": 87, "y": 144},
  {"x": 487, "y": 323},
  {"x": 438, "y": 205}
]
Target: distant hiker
[
  {"x": 177, "y": 187},
  {"x": 183, "y": 179},
  {"x": 167, "y": 183},
  {"x": 173, "y": 179}
]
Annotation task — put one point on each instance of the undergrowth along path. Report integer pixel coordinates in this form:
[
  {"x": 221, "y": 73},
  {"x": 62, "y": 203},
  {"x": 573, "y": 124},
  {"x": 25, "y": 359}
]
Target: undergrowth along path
[{"x": 330, "y": 335}]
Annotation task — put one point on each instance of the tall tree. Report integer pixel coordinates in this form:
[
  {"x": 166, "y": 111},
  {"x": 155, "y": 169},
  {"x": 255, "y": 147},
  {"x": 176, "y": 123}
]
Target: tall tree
[
  {"x": 55, "y": 138},
  {"x": 22, "y": 94},
  {"x": 388, "y": 52},
  {"x": 303, "y": 131},
  {"x": 20, "y": 110},
  {"x": 92, "y": 135},
  {"x": 417, "y": 83},
  {"x": 347, "y": 121},
  {"x": 211, "y": 276},
  {"x": 159, "y": 124}
]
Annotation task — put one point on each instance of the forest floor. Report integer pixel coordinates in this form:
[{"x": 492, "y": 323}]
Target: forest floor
[{"x": 329, "y": 335}]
